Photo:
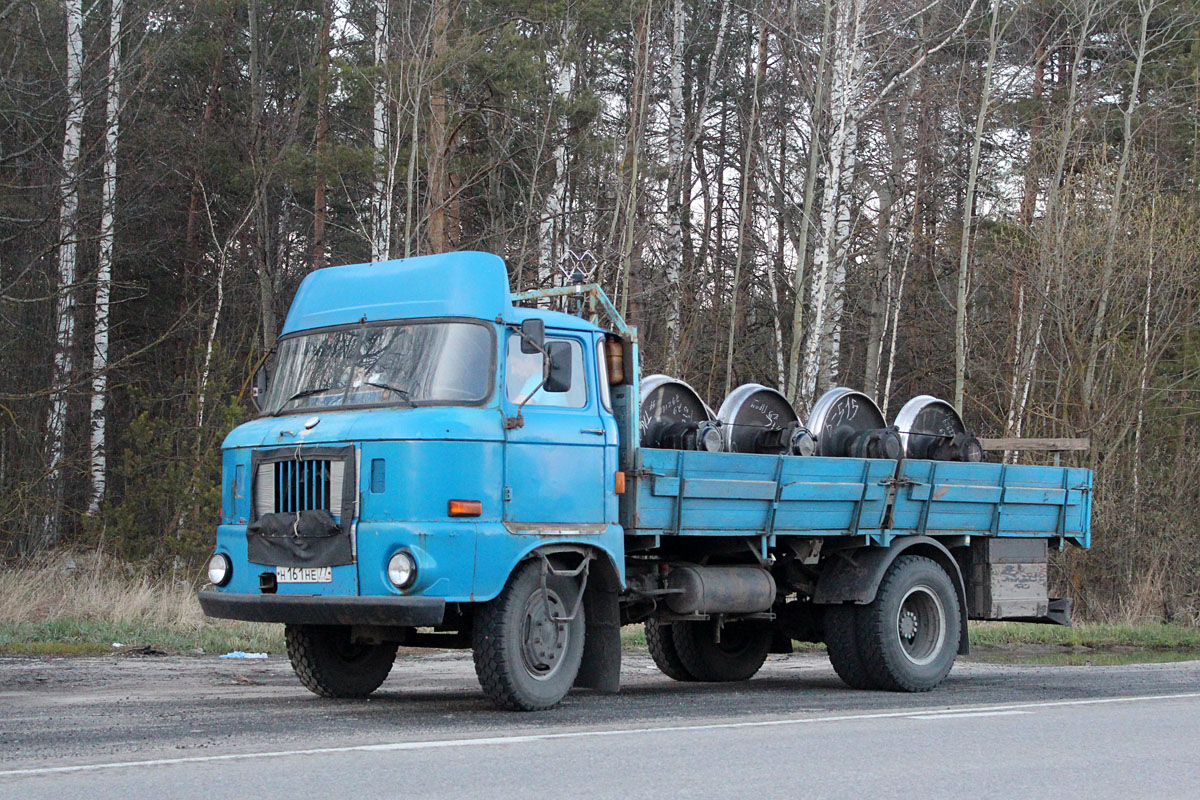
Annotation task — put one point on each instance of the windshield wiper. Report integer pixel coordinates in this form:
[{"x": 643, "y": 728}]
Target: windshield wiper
[
  {"x": 304, "y": 393},
  {"x": 396, "y": 389}
]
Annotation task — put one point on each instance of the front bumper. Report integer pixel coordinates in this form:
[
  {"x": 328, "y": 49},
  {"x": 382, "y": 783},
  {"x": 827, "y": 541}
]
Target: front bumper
[{"x": 324, "y": 610}]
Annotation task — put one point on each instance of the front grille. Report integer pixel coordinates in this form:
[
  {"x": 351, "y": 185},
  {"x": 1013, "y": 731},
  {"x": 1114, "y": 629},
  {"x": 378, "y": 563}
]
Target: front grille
[{"x": 283, "y": 487}]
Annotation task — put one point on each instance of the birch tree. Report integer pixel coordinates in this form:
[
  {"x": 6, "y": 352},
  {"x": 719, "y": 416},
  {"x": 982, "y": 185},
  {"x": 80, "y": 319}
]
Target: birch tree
[
  {"x": 108, "y": 197},
  {"x": 381, "y": 206},
  {"x": 68, "y": 243}
]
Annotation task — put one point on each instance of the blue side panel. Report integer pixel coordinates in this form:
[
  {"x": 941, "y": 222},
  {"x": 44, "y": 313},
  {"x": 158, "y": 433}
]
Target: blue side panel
[
  {"x": 719, "y": 493},
  {"x": 939, "y": 497},
  {"x": 444, "y": 551},
  {"x": 701, "y": 494},
  {"x": 420, "y": 478}
]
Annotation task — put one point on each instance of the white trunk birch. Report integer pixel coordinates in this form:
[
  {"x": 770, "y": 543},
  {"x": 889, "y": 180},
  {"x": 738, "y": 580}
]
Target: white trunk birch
[
  {"x": 108, "y": 195},
  {"x": 675, "y": 160},
  {"x": 68, "y": 232},
  {"x": 810, "y": 182},
  {"x": 381, "y": 210},
  {"x": 844, "y": 90}
]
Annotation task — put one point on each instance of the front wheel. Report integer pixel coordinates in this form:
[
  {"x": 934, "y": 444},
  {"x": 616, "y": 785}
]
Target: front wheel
[
  {"x": 329, "y": 664},
  {"x": 526, "y": 653},
  {"x": 908, "y": 637},
  {"x": 736, "y": 656}
]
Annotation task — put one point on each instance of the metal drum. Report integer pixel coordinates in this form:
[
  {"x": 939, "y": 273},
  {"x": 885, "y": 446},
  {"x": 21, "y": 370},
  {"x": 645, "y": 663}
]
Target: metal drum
[
  {"x": 673, "y": 417},
  {"x": 848, "y": 423},
  {"x": 932, "y": 429},
  {"x": 757, "y": 419}
]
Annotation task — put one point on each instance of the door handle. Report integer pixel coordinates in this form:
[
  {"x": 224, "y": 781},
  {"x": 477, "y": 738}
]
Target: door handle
[{"x": 597, "y": 431}]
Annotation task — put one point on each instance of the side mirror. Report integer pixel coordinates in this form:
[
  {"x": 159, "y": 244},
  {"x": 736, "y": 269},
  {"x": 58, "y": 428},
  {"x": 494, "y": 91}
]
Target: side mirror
[
  {"x": 259, "y": 390},
  {"x": 533, "y": 336},
  {"x": 560, "y": 367}
]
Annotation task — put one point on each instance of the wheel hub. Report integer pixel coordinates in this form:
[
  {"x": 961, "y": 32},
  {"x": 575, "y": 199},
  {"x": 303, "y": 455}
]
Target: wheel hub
[
  {"x": 908, "y": 626},
  {"x": 544, "y": 640}
]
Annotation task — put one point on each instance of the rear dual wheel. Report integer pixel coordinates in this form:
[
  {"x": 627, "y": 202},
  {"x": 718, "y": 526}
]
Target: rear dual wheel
[
  {"x": 695, "y": 651},
  {"x": 906, "y": 640}
]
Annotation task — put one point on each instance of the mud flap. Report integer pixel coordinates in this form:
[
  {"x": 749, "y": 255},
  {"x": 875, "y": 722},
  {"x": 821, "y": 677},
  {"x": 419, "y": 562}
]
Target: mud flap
[{"x": 601, "y": 667}]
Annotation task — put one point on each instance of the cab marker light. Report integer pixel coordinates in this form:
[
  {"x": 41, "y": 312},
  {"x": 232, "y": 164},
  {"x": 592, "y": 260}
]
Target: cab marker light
[{"x": 466, "y": 508}]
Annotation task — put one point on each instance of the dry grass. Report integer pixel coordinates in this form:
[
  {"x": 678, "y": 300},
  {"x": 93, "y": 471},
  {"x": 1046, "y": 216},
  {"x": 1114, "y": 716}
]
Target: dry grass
[{"x": 71, "y": 604}]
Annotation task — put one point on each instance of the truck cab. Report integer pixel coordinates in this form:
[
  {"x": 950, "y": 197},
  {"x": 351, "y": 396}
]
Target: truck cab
[{"x": 412, "y": 449}]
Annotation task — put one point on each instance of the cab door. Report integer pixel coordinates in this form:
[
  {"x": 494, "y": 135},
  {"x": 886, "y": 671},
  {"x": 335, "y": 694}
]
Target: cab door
[{"x": 555, "y": 462}]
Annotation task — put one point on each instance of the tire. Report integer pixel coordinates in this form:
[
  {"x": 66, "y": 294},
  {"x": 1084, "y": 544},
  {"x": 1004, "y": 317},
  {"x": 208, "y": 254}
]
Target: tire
[
  {"x": 737, "y": 657},
  {"x": 841, "y": 642},
  {"x": 524, "y": 661},
  {"x": 908, "y": 637},
  {"x": 661, "y": 643},
  {"x": 330, "y": 665}
]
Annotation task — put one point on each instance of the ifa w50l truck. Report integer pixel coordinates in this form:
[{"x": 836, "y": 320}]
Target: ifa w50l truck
[{"x": 436, "y": 465}]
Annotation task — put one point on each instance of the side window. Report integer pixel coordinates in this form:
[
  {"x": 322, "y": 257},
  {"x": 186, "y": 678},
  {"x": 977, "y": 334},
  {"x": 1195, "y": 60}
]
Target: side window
[
  {"x": 523, "y": 374},
  {"x": 602, "y": 371}
]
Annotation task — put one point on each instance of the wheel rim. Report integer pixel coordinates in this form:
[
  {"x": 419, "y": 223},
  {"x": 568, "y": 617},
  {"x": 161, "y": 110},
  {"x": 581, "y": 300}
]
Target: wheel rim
[
  {"x": 921, "y": 625},
  {"x": 735, "y": 641},
  {"x": 544, "y": 641}
]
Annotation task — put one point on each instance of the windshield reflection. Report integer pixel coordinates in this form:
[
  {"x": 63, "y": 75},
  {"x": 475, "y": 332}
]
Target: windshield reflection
[{"x": 400, "y": 363}]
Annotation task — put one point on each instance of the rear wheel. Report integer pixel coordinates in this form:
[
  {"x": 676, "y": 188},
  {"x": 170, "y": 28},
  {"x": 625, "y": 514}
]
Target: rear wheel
[
  {"x": 328, "y": 663},
  {"x": 526, "y": 658},
  {"x": 908, "y": 637},
  {"x": 661, "y": 644},
  {"x": 738, "y": 655},
  {"x": 841, "y": 642}
]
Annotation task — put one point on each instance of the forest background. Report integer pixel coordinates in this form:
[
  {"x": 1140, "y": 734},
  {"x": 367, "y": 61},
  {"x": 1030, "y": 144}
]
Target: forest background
[{"x": 993, "y": 202}]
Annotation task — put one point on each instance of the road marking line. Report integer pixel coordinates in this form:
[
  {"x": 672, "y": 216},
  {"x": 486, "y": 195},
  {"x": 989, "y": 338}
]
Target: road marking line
[
  {"x": 482, "y": 741},
  {"x": 959, "y": 714}
]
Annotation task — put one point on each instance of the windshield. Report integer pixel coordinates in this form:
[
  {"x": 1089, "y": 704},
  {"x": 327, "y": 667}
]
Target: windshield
[{"x": 397, "y": 363}]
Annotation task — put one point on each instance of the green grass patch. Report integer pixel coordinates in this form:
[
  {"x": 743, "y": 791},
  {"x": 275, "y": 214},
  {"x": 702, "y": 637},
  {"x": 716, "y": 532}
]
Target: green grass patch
[
  {"x": 1096, "y": 635},
  {"x": 75, "y": 636}
]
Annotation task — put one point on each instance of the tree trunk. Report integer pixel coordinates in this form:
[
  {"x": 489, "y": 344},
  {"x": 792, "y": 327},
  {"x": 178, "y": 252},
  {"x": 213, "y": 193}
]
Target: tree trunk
[
  {"x": 68, "y": 242},
  {"x": 810, "y": 183},
  {"x": 1147, "y": 8},
  {"x": 744, "y": 212},
  {"x": 381, "y": 217},
  {"x": 964, "y": 250},
  {"x": 108, "y": 193},
  {"x": 320, "y": 205},
  {"x": 675, "y": 156},
  {"x": 441, "y": 234}
]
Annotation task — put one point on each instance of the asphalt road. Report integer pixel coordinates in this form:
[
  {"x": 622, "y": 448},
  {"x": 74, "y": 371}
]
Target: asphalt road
[{"x": 203, "y": 727}]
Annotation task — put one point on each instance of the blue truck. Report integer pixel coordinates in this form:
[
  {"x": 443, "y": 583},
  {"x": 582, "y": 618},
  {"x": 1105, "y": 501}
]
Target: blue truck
[{"x": 439, "y": 462}]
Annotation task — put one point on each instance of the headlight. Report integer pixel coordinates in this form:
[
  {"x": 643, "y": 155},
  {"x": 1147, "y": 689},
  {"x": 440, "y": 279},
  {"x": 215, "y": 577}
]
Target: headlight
[
  {"x": 402, "y": 569},
  {"x": 220, "y": 570}
]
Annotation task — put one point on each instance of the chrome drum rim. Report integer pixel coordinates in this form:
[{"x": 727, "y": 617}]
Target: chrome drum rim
[{"x": 921, "y": 625}]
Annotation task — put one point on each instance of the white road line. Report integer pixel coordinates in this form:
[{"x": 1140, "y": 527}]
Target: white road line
[
  {"x": 959, "y": 714},
  {"x": 484, "y": 741}
]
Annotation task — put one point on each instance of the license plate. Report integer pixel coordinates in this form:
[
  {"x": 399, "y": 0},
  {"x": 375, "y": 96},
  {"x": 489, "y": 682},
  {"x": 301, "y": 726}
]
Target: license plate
[{"x": 304, "y": 574}]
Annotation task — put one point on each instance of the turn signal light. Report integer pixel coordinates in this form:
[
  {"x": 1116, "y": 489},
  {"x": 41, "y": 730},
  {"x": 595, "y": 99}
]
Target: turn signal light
[
  {"x": 466, "y": 508},
  {"x": 619, "y": 483}
]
